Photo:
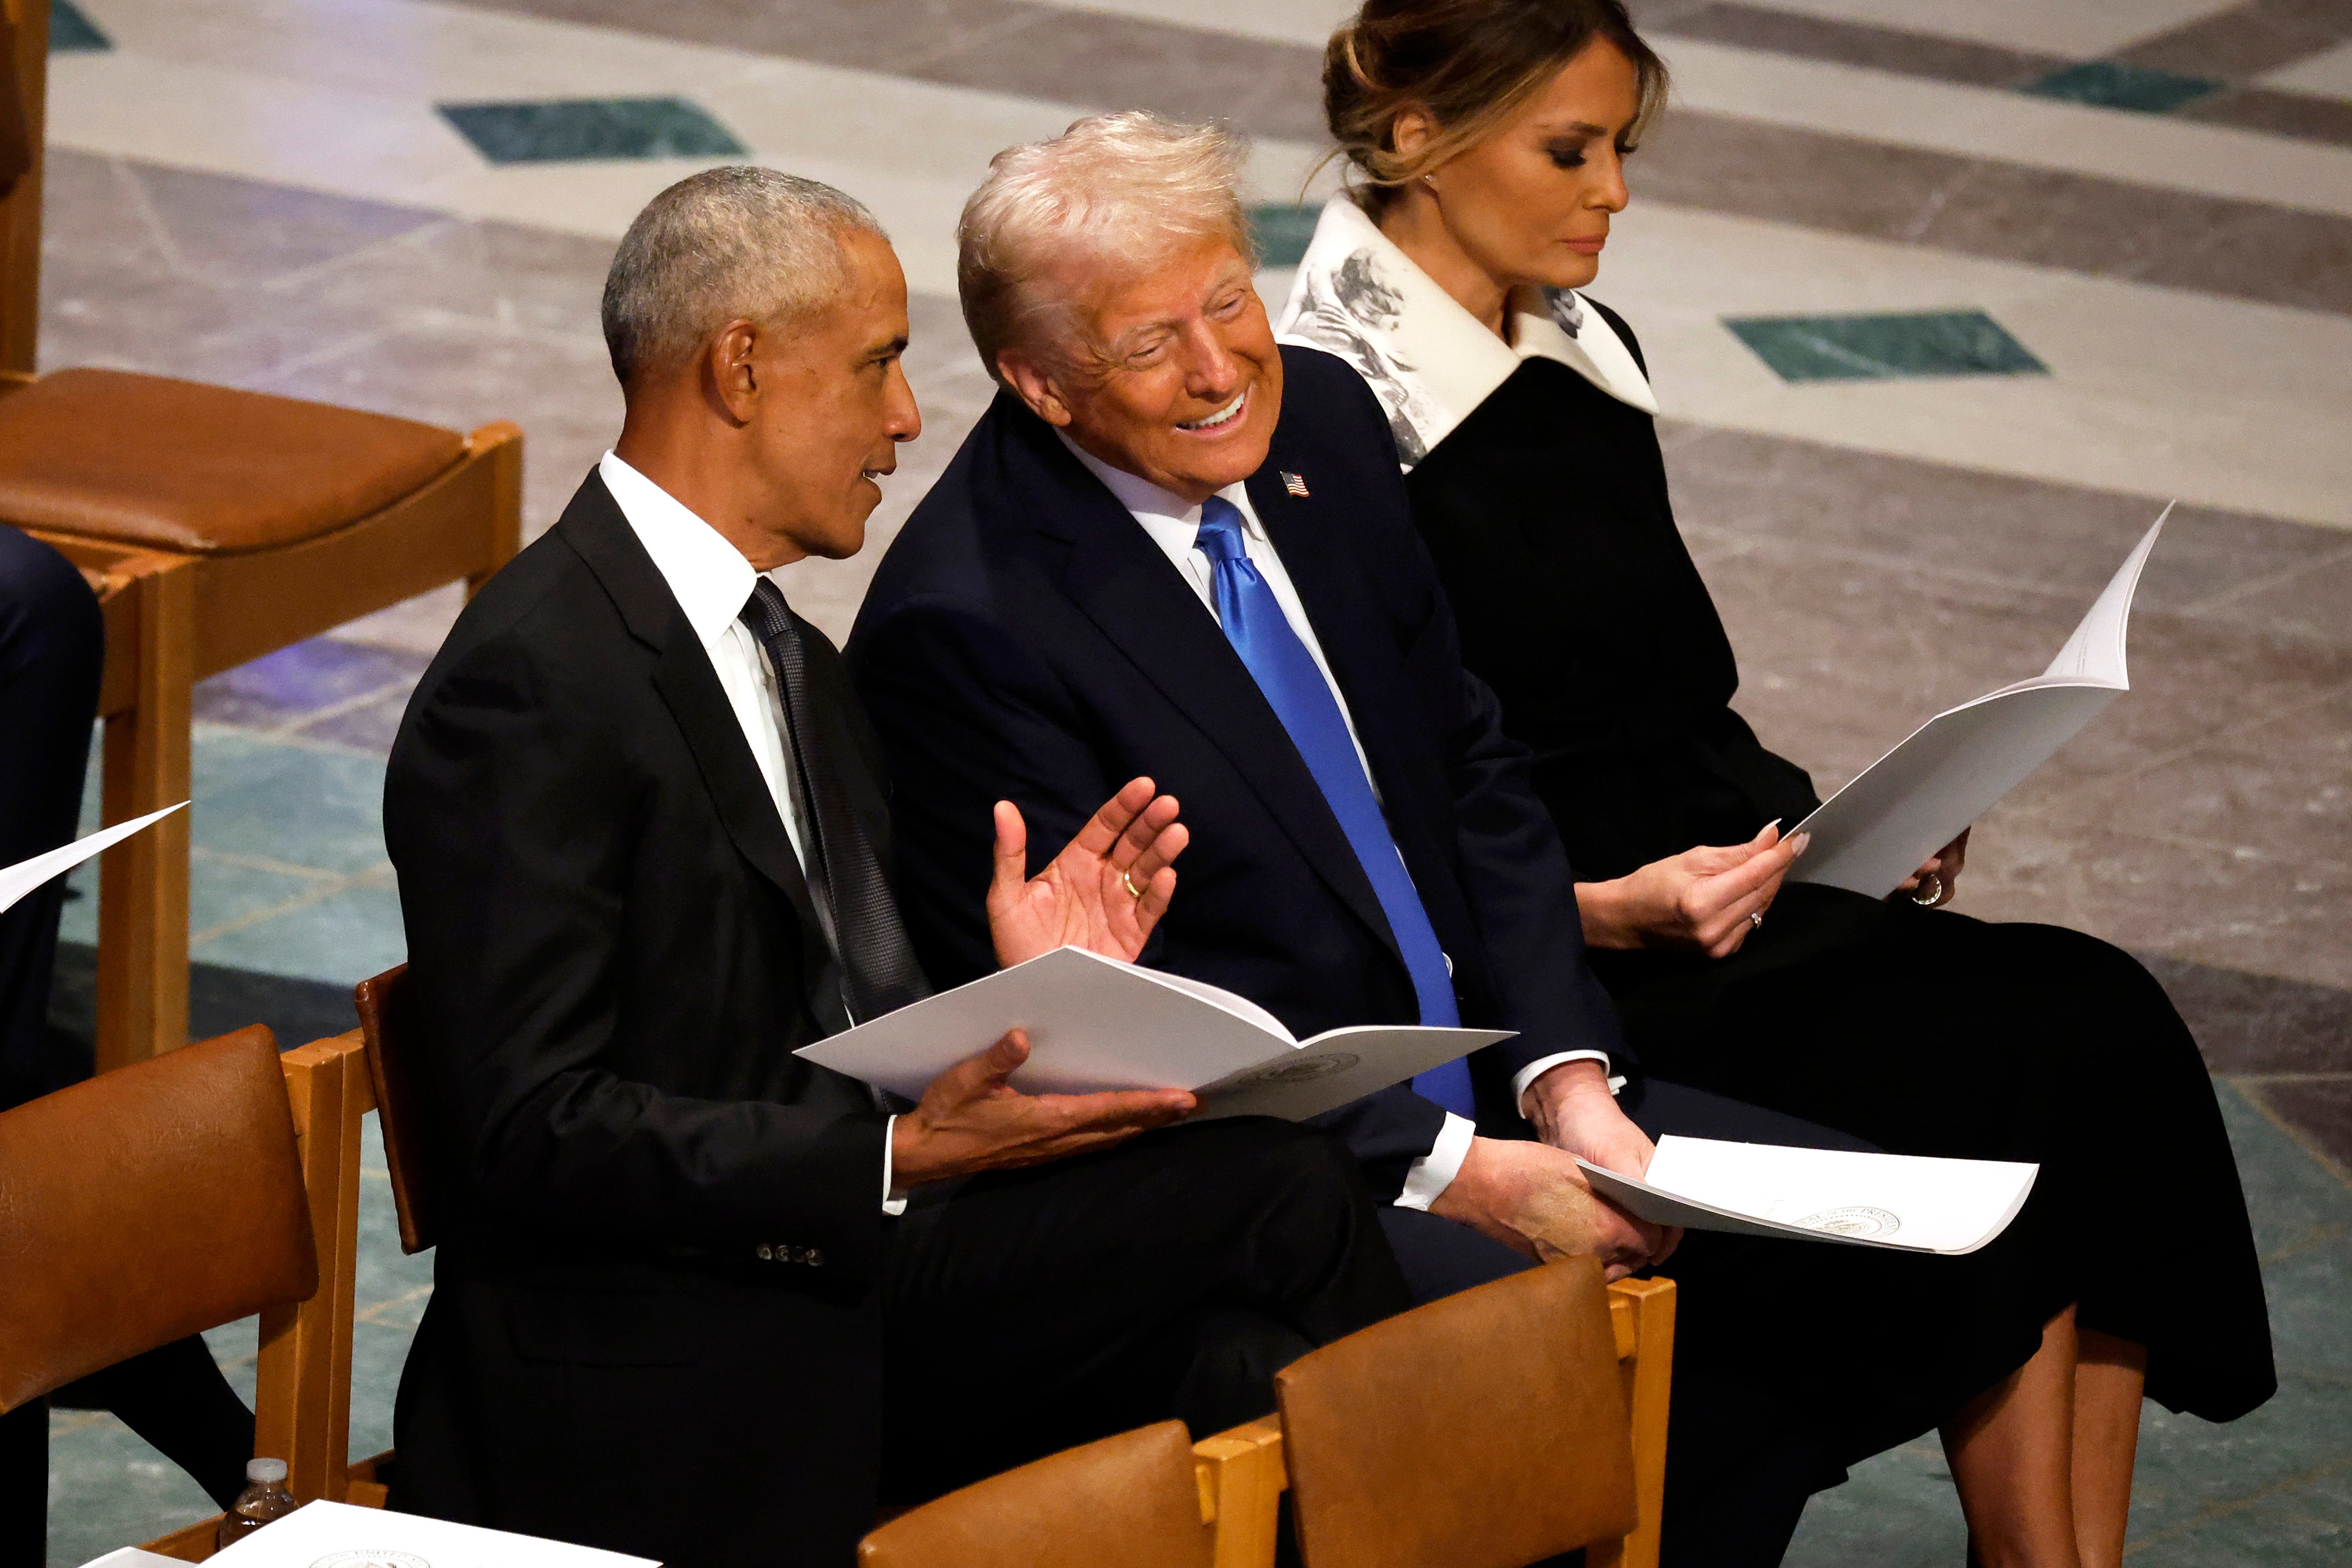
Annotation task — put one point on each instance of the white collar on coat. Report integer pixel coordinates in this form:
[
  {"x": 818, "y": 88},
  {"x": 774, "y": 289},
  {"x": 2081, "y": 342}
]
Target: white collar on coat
[{"x": 1429, "y": 360}]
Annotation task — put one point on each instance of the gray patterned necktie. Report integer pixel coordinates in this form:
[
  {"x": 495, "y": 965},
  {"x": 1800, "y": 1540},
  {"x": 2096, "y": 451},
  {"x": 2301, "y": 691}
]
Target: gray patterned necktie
[{"x": 845, "y": 876}]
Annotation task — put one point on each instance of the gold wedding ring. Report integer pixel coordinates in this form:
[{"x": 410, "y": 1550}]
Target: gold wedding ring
[{"x": 1132, "y": 890}]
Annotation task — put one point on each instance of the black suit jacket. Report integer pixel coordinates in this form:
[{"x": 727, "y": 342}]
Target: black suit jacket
[
  {"x": 1024, "y": 639},
  {"x": 614, "y": 956}
]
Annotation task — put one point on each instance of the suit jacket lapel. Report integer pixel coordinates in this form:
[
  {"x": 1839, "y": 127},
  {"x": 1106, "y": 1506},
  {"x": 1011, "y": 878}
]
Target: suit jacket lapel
[
  {"x": 1122, "y": 582},
  {"x": 592, "y": 525}
]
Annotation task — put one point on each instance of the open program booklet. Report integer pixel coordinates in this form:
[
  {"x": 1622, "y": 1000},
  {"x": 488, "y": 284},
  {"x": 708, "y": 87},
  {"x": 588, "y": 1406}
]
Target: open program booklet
[
  {"x": 339, "y": 1535},
  {"x": 22, "y": 878},
  {"x": 1904, "y": 1201},
  {"x": 1916, "y": 799},
  {"x": 1096, "y": 1023}
]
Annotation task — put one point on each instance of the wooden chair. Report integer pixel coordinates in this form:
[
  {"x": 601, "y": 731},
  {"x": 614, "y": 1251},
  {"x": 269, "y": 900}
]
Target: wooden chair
[
  {"x": 387, "y": 1024},
  {"x": 217, "y": 526},
  {"x": 181, "y": 1194},
  {"x": 24, "y": 90},
  {"x": 1464, "y": 1432},
  {"x": 1130, "y": 1500}
]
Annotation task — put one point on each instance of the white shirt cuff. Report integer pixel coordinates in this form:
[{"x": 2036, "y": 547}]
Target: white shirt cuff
[
  {"x": 890, "y": 1206},
  {"x": 1434, "y": 1171},
  {"x": 1543, "y": 1065}
]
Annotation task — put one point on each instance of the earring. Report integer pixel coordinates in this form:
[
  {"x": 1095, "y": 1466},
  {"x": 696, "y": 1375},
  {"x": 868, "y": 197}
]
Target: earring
[{"x": 1430, "y": 181}]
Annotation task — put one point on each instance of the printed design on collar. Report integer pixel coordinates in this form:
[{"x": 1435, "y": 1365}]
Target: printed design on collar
[{"x": 1428, "y": 361}]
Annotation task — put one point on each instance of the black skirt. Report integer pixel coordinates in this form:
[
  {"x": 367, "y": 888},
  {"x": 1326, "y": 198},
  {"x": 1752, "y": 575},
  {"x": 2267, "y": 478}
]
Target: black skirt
[{"x": 1929, "y": 1032}]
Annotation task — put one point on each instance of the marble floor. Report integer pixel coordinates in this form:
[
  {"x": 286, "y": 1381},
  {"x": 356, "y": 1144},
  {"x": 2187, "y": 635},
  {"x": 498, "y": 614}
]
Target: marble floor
[{"x": 408, "y": 205}]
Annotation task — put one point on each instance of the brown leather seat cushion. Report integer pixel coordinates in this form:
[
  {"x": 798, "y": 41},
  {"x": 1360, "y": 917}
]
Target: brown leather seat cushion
[
  {"x": 185, "y": 466},
  {"x": 1129, "y": 1499},
  {"x": 145, "y": 1205},
  {"x": 1483, "y": 1430}
]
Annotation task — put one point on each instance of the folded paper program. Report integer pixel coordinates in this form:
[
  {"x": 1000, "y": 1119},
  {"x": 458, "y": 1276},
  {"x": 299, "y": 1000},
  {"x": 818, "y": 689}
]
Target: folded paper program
[
  {"x": 1095, "y": 1023},
  {"x": 1914, "y": 799},
  {"x": 23, "y": 877},
  {"x": 1905, "y": 1202}
]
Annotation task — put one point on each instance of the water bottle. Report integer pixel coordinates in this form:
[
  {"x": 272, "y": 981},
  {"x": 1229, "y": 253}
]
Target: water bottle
[{"x": 264, "y": 1497}]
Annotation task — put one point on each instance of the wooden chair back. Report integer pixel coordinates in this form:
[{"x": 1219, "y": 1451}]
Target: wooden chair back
[
  {"x": 24, "y": 96},
  {"x": 1485, "y": 1430},
  {"x": 387, "y": 1022},
  {"x": 145, "y": 1206},
  {"x": 1130, "y": 1500}
]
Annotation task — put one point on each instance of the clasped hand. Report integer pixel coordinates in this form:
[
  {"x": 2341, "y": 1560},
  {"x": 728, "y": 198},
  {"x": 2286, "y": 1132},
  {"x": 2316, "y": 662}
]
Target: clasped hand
[
  {"x": 1534, "y": 1199},
  {"x": 1105, "y": 891}
]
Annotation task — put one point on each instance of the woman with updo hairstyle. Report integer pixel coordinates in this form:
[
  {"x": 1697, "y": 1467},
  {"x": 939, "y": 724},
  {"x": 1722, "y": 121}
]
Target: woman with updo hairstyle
[{"x": 1487, "y": 144}]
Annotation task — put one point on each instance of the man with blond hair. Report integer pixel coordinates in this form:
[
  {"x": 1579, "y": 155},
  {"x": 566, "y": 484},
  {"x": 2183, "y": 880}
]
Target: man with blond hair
[
  {"x": 644, "y": 854},
  {"x": 1172, "y": 547}
]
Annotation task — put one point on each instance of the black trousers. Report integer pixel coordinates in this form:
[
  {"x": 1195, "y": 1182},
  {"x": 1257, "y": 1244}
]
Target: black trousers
[
  {"x": 1030, "y": 1310},
  {"x": 52, "y": 650}
]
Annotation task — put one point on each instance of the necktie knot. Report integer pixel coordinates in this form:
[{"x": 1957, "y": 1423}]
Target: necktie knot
[
  {"x": 1220, "y": 537},
  {"x": 765, "y": 612}
]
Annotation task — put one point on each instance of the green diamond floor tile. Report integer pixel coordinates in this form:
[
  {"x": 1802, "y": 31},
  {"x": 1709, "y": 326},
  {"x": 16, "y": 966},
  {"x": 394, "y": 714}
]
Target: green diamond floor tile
[
  {"x": 1282, "y": 233},
  {"x": 564, "y": 130},
  {"x": 1884, "y": 347},
  {"x": 2110, "y": 84},
  {"x": 341, "y": 938},
  {"x": 70, "y": 31}
]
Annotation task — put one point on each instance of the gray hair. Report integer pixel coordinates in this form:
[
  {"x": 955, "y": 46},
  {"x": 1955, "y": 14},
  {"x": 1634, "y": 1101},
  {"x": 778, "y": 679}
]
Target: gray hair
[
  {"x": 728, "y": 242},
  {"x": 1130, "y": 187}
]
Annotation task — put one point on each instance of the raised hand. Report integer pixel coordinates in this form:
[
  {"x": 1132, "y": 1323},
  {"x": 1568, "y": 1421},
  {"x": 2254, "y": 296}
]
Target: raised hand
[
  {"x": 1701, "y": 898},
  {"x": 1104, "y": 891},
  {"x": 971, "y": 1119}
]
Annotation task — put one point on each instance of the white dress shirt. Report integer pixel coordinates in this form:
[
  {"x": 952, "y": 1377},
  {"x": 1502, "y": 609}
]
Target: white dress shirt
[
  {"x": 712, "y": 581},
  {"x": 1174, "y": 525}
]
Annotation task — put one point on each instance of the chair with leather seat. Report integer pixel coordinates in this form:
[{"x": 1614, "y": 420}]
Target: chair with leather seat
[
  {"x": 217, "y": 526},
  {"x": 1485, "y": 1430},
  {"x": 181, "y": 1194},
  {"x": 1130, "y": 1500}
]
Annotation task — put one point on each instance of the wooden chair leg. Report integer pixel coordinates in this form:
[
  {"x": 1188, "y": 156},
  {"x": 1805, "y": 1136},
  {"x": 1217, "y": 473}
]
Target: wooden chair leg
[
  {"x": 20, "y": 213},
  {"x": 1241, "y": 1479},
  {"x": 142, "y": 910},
  {"x": 1649, "y": 1382}
]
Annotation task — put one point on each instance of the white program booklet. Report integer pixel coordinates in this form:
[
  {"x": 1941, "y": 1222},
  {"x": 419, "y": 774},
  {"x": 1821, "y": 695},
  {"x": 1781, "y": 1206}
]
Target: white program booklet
[
  {"x": 22, "y": 878},
  {"x": 1916, "y": 799},
  {"x": 1095, "y": 1023},
  {"x": 338, "y": 1536},
  {"x": 1907, "y": 1202}
]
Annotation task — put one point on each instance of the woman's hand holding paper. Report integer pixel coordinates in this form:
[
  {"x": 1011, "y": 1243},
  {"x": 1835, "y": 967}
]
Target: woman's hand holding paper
[
  {"x": 1702, "y": 898},
  {"x": 1944, "y": 866},
  {"x": 1106, "y": 890}
]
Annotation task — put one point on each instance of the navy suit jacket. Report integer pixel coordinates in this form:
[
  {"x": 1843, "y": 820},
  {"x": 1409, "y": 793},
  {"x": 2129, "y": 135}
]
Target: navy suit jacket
[{"x": 1026, "y": 640}]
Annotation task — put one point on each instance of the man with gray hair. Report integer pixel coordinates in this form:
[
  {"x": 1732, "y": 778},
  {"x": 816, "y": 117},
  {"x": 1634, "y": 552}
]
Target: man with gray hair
[{"x": 644, "y": 854}]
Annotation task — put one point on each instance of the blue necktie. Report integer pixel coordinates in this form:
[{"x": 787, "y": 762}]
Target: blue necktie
[{"x": 1302, "y": 699}]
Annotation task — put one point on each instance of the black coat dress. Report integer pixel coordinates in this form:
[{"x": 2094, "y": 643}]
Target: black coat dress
[{"x": 1923, "y": 1032}]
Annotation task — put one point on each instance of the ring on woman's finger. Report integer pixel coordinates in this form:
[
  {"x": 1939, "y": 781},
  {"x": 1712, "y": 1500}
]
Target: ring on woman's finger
[
  {"x": 1934, "y": 879},
  {"x": 1756, "y": 917}
]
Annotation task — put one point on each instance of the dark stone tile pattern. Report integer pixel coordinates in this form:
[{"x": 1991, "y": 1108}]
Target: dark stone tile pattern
[
  {"x": 573, "y": 130},
  {"x": 2244, "y": 250},
  {"x": 219, "y": 1000},
  {"x": 1883, "y": 345},
  {"x": 71, "y": 32},
  {"x": 2112, "y": 83},
  {"x": 1282, "y": 233},
  {"x": 1846, "y": 43},
  {"x": 2246, "y": 40}
]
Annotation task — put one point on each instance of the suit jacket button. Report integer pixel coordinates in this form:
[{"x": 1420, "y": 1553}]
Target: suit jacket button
[
  {"x": 766, "y": 1252},
  {"x": 815, "y": 1258}
]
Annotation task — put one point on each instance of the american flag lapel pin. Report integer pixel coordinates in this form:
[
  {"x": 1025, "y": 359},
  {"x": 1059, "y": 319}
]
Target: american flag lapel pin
[{"x": 1294, "y": 484}]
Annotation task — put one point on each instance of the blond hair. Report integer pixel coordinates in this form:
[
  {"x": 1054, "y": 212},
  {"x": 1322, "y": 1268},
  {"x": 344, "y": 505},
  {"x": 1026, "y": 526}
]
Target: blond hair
[{"x": 1128, "y": 187}]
